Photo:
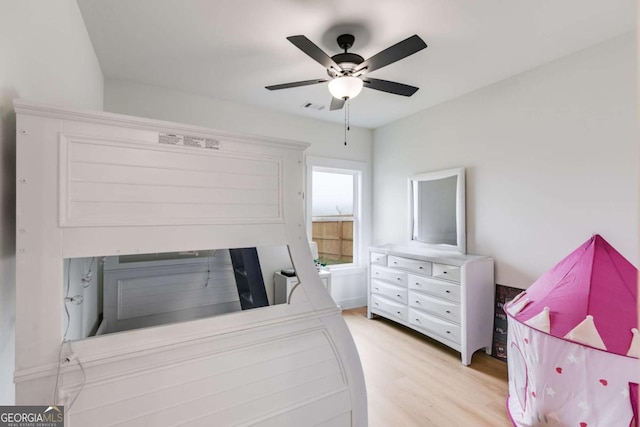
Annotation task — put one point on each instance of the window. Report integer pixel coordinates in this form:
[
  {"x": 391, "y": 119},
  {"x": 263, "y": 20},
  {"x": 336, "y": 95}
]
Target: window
[{"x": 334, "y": 213}]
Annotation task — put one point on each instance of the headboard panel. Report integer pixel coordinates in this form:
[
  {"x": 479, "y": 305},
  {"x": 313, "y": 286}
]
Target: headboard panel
[{"x": 107, "y": 182}]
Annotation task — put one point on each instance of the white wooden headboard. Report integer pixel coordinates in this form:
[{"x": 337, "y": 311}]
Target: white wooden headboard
[
  {"x": 96, "y": 184},
  {"x": 109, "y": 182}
]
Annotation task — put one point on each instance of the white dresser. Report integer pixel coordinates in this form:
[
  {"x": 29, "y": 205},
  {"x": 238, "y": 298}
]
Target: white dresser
[{"x": 448, "y": 297}]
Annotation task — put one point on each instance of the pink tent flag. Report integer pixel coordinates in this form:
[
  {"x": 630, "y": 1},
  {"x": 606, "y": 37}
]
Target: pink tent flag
[{"x": 594, "y": 280}]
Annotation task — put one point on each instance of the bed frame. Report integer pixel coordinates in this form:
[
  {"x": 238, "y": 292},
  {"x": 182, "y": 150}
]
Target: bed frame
[{"x": 94, "y": 184}]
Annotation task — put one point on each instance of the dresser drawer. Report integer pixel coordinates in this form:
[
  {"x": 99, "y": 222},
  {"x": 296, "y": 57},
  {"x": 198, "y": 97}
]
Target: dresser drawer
[
  {"x": 422, "y": 267},
  {"x": 393, "y": 292},
  {"x": 441, "y": 308},
  {"x": 440, "y": 327},
  {"x": 393, "y": 308},
  {"x": 389, "y": 275},
  {"x": 439, "y": 288},
  {"x": 447, "y": 272},
  {"x": 378, "y": 258}
]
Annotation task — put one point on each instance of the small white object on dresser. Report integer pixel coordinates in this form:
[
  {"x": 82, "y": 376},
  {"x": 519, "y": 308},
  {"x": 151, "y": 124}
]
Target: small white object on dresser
[
  {"x": 448, "y": 297},
  {"x": 282, "y": 285}
]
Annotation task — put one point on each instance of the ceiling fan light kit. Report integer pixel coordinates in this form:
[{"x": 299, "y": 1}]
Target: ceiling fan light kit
[{"x": 346, "y": 87}]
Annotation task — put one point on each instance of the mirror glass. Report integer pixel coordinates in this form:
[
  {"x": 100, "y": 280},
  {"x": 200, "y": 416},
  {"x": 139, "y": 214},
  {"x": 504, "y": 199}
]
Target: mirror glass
[
  {"x": 111, "y": 294},
  {"x": 435, "y": 211}
]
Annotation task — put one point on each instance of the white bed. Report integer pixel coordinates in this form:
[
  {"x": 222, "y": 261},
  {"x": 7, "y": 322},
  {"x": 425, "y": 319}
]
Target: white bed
[{"x": 94, "y": 184}]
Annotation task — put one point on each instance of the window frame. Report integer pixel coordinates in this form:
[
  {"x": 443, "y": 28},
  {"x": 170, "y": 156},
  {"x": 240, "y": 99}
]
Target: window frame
[{"x": 349, "y": 167}]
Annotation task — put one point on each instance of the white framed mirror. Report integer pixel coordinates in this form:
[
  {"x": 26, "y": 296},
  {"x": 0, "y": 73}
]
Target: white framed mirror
[{"x": 437, "y": 210}]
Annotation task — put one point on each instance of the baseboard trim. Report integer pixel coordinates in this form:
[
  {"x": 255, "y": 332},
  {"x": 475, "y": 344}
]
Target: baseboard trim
[{"x": 352, "y": 302}]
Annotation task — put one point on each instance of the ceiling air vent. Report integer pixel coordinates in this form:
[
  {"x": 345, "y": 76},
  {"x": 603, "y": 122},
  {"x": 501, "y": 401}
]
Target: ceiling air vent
[{"x": 312, "y": 106}]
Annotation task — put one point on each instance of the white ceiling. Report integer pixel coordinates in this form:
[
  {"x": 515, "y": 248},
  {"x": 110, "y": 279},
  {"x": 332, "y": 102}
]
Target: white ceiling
[{"x": 231, "y": 49}]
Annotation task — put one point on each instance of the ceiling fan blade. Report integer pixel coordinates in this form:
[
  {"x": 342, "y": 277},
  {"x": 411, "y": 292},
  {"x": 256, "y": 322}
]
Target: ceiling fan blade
[
  {"x": 390, "y": 87},
  {"x": 392, "y": 54},
  {"x": 295, "y": 84},
  {"x": 308, "y": 47},
  {"x": 336, "y": 104}
]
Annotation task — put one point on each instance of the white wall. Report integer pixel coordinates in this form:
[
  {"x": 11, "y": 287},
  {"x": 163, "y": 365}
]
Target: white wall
[
  {"x": 326, "y": 139},
  {"x": 551, "y": 157},
  {"x": 46, "y": 57}
]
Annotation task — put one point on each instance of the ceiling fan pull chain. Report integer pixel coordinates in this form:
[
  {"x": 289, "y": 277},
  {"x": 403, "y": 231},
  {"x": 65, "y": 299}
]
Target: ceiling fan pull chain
[{"x": 345, "y": 121}]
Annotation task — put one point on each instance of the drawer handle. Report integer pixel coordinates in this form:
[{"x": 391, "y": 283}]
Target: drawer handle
[
  {"x": 417, "y": 284},
  {"x": 420, "y": 267},
  {"x": 448, "y": 291},
  {"x": 448, "y": 311},
  {"x": 395, "y": 262},
  {"x": 417, "y": 302},
  {"x": 398, "y": 295},
  {"x": 398, "y": 312},
  {"x": 376, "y": 303},
  {"x": 417, "y": 320},
  {"x": 377, "y": 289},
  {"x": 398, "y": 278},
  {"x": 448, "y": 332},
  {"x": 377, "y": 273}
]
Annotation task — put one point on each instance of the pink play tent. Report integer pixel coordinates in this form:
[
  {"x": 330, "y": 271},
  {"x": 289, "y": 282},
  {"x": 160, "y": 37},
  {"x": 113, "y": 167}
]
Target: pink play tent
[{"x": 573, "y": 343}]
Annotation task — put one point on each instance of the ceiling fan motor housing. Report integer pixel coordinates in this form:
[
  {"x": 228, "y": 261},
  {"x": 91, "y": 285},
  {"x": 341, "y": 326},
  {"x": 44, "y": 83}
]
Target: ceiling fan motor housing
[{"x": 347, "y": 61}]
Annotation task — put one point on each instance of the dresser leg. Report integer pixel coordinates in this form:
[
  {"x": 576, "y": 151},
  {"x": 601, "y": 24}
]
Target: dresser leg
[{"x": 466, "y": 359}]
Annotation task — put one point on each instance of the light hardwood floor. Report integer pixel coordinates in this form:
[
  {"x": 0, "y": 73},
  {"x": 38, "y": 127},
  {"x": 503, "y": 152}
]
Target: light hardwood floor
[{"x": 413, "y": 380}]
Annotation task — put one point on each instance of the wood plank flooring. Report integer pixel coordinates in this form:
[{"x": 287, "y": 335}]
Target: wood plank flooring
[{"x": 413, "y": 380}]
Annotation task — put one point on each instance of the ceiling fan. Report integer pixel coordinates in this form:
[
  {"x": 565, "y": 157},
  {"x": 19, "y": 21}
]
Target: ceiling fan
[{"x": 348, "y": 71}]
